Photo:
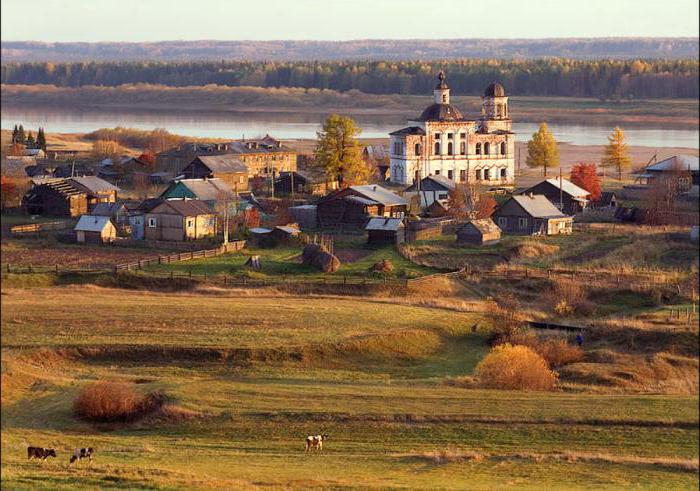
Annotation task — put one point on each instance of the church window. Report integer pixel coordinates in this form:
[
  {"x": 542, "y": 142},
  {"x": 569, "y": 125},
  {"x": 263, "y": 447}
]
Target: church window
[
  {"x": 487, "y": 148},
  {"x": 449, "y": 174},
  {"x": 450, "y": 136},
  {"x": 487, "y": 175},
  {"x": 416, "y": 149},
  {"x": 478, "y": 148},
  {"x": 504, "y": 173},
  {"x": 463, "y": 175},
  {"x": 449, "y": 148},
  {"x": 437, "y": 148},
  {"x": 437, "y": 172},
  {"x": 478, "y": 174},
  {"x": 437, "y": 136},
  {"x": 444, "y": 98},
  {"x": 463, "y": 148},
  {"x": 503, "y": 148},
  {"x": 462, "y": 135}
]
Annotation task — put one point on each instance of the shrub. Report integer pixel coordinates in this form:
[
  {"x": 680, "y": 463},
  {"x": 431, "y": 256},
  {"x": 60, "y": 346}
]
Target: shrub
[
  {"x": 556, "y": 352},
  {"x": 568, "y": 297},
  {"x": 107, "y": 401},
  {"x": 515, "y": 367}
]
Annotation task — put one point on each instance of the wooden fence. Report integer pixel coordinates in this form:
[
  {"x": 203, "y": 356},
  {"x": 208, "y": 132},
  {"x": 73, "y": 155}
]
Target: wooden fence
[
  {"x": 236, "y": 245},
  {"x": 32, "y": 228}
]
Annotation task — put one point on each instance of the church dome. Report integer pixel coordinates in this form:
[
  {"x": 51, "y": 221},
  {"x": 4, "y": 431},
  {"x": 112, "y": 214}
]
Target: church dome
[
  {"x": 441, "y": 112},
  {"x": 495, "y": 90}
]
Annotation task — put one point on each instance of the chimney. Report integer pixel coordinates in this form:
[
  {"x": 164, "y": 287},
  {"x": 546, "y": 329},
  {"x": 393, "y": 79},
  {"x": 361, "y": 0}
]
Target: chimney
[
  {"x": 374, "y": 188},
  {"x": 532, "y": 196}
]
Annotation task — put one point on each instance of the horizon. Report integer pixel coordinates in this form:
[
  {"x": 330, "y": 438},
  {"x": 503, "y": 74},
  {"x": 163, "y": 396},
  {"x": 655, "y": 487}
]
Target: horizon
[{"x": 132, "y": 21}]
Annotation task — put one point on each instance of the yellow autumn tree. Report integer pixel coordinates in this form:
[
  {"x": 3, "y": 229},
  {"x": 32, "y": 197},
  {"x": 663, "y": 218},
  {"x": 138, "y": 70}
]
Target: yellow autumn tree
[
  {"x": 542, "y": 149},
  {"x": 515, "y": 367},
  {"x": 616, "y": 155},
  {"x": 338, "y": 152},
  {"x": 106, "y": 149}
]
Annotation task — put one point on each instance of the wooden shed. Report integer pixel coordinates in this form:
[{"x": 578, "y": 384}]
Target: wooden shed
[
  {"x": 353, "y": 206},
  {"x": 479, "y": 232},
  {"x": 95, "y": 229},
  {"x": 385, "y": 231},
  {"x": 532, "y": 214}
]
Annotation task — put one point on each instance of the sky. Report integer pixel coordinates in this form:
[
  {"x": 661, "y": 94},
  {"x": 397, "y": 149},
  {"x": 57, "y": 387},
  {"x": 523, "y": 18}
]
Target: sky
[{"x": 165, "y": 20}]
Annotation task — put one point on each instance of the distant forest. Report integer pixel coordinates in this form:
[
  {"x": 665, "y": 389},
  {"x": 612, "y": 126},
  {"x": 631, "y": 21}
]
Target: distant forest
[
  {"x": 368, "y": 49},
  {"x": 540, "y": 77}
]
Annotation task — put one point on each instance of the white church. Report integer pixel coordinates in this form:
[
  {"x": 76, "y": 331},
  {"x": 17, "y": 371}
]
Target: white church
[{"x": 443, "y": 142}]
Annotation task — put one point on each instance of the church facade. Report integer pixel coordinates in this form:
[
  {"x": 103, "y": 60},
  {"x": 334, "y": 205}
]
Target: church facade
[{"x": 443, "y": 142}]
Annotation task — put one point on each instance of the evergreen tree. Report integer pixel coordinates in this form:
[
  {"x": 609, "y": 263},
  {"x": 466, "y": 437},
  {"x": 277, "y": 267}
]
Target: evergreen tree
[
  {"x": 20, "y": 135},
  {"x": 14, "y": 134},
  {"x": 338, "y": 153},
  {"x": 616, "y": 155},
  {"x": 542, "y": 150},
  {"x": 41, "y": 139},
  {"x": 30, "y": 140}
]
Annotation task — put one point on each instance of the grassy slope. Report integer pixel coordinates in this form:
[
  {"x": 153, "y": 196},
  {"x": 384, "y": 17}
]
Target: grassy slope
[{"x": 378, "y": 392}]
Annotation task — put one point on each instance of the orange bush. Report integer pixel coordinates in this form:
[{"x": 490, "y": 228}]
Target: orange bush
[
  {"x": 515, "y": 367},
  {"x": 105, "y": 401},
  {"x": 556, "y": 352}
]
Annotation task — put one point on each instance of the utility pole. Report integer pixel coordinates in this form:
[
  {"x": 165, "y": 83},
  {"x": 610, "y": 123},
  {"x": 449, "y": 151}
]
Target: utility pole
[
  {"x": 561, "y": 192},
  {"x": 291, "y": 177},
  {"x": 226, "y": 221},
  {"x": 272, "y": 183}
]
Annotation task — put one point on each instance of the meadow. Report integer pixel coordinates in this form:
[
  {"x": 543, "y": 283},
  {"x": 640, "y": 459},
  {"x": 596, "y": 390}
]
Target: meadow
[{"x": 249, "y": 373}]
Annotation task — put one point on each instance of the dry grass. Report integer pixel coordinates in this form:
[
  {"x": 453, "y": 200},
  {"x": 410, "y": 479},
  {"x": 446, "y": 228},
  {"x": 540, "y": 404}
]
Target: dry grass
[
  {"x": 532, "y": 249},
  {"x": 452, "y": 454},
  {"x": 556, "y": 352}
]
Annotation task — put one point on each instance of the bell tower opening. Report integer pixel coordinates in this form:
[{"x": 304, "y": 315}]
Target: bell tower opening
[{"x": 442, "y": 90}]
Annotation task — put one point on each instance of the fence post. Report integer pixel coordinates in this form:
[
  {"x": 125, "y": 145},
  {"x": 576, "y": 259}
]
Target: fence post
[
  {"x": 30, "y": 268},
  {"x": 190, "y": 271},
  {"x": 8, "y": 267},
  {"x": 57, "y": 268}
]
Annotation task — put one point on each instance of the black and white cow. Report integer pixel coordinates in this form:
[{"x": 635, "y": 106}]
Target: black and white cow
[
  {"x": 315, "y": 442},
  {"x": 82, "y": 453},
  {"x": 40, "y": 453}
]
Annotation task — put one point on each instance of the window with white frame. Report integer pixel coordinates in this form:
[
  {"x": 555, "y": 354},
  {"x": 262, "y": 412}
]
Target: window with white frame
[
  {"x": 152, "y": 222},
  {"x": 522, "y": 222},
  {"x": 190, "y": 222},
  {"x": 502, "y": 222}
]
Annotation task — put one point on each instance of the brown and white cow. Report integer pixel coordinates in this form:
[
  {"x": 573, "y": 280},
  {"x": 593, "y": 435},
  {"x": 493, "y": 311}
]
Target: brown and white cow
[
  {"x": 40, "y": 453},
  {"x": 82, "y": 453},
  {"x": 315, "y": 442}
]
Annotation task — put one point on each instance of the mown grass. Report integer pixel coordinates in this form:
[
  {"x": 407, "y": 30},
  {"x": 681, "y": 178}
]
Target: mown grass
[{"x": 372, "y": 377}]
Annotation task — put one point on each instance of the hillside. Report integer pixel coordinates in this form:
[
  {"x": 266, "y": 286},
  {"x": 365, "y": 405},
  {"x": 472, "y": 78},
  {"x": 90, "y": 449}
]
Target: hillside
[{"x": 582, "y": 48}]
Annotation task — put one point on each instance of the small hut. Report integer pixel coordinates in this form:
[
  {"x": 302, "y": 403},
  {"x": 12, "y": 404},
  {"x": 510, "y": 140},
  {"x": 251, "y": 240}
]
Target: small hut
[
  {"x": 283, "y": 234},
  {"x": 479, "y": 232},
  {"x": 385, "y": 231},
  {"x": 95, "y": 229}
]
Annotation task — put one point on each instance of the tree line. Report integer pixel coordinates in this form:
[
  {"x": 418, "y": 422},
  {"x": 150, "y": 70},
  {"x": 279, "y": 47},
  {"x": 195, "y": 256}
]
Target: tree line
[
  {"x": 19, "y": 137},
  {"x": 536, "y": 77}
]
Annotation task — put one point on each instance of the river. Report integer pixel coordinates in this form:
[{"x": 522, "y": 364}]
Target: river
[{"x": 293, "y": 125}]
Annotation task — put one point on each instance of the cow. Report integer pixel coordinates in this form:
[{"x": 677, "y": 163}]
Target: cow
[
  {"x": 40, "y": 453},
  {"x": 82, "y": 453},
  {"x": 315, "y": 442}
]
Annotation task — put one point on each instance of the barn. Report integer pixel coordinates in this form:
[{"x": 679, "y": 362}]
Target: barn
[
  {"x": 93, "y": 229},
  {"x": 479, "y": 232},
  {"x": 385, "y": 231},
  {"x": 352, "y": 207}
]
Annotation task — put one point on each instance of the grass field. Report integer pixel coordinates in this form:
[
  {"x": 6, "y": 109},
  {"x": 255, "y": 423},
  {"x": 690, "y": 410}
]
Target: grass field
[{"x": 248, "y": 376}]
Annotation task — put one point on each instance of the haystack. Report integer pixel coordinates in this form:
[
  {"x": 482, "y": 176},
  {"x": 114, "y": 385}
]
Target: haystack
[{"x": 318, "y": 257}]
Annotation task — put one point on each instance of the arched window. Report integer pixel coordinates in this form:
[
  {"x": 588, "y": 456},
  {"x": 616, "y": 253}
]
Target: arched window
[
  {"x": 416, "y": 149},
  {"x": 463, "y": 148},
  {"x": 449, "y": 148},
  {"x": 437, "y": 148},
  {"x": 503, "y": 148},
  {"x": 478, "y": 148},
  {"x": 444, "y": 98},
  {"x": 498, "y": 110},
  {"x": 487, "y": 148}
]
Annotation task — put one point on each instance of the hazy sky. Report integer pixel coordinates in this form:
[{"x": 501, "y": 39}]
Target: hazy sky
[{"x": 158, "y": 20}]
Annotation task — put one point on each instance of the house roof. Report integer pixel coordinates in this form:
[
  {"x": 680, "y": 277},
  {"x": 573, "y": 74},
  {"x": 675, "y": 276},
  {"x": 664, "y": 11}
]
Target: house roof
[
  {"x": 677, "y": 162},
  {"x": 433, "y": 183},
  {"x": 537, "y": 206},
  {"x": 91, "y": 223},
  {"x": 409, "y": 130},
  {"x": 288, "y": 230},
  {"x": 267, "y": 144},
  {"x": 386, "y": 224},
  {"x": 93, "y": 184},
  {"x": 213, "y": 189},
  {"x": 184, "y": 207},
  {"x": 260, "y": 230},
  {"x": 378, "y": 152},
  {"x": 567, "y": 187},
  {"x": 483, "y": 225},
  {"x": 223, "y": 163},
  {"x": 606, "y": 197},
  {"x": 379, "y": 194},
  {"x": 106, "y": 209}
]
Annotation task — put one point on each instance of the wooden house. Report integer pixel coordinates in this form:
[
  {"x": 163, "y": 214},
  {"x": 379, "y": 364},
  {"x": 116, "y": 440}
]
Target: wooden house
[
  {"x": 265, "y": 156},
  {"x": 228, "y": 168},
  {"x": 304, "y": 183},
  {"x": 95, "y": 230},
  {"x": 573, "y": 198},
  {"x": 68, "y": 197},
  {"x": 180, "y": 220},
  {"x": 284, "y": 233},
  {"x": 431, "y": 189},
  {"x": 385, "y": 231},
  {"x": 479, "y": 232},
  {"x": 685, "y": 169},
  {"x": 377, "y": 156},
  {"x": 137, "y": 217},
  {"x": 532, "y": 214},
  {"x": 353, "y": 206},
  {"x": 608, "y": 199}
]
